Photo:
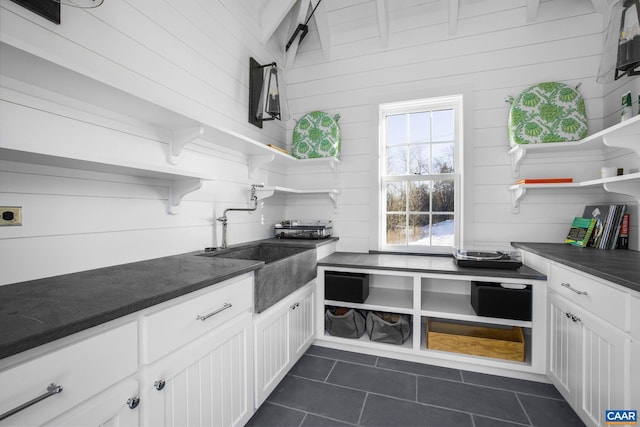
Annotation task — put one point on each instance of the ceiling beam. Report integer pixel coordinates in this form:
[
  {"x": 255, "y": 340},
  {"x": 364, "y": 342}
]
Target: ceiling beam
[
  {"x": 454, "y": 8},
  {"x": 383, "y": 22},
  {"x": 298, "y": 16},
  {"x": 321, "y": 17},
  {"x": 272, "y": 16},
  {"x": 532, "y": 10}
]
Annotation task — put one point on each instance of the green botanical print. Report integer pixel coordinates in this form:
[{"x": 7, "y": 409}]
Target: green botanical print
[
  {"x": 567, "y": 94},
  {"x": 316, "y": 135},
  {"x": 532, "y": 129},
  {"x": 547, "y": 112},
  {"x": 530, "y": 99}
]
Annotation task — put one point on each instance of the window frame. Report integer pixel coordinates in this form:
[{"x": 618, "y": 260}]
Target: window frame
[{"x": 454, "y": 102}]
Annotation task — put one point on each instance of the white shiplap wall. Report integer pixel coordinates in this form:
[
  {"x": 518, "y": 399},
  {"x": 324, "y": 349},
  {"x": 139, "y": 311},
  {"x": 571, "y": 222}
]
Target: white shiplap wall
[
  {"x": 190, "y": 57},
  {"x": 494, "y": 53}
]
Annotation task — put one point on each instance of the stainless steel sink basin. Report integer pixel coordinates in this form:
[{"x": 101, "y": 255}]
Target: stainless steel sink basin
[{"x": 286, "y": 269}]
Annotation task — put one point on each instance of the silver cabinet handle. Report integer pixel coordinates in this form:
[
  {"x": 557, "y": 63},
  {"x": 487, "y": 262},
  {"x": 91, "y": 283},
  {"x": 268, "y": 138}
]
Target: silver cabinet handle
[
  {"x": 213, "y": 313},
  {"x": 294, "y": 306},
  {"x": 51, "y": 390},
  {"x": 159, "y": 385},
  {"x": 568, "y": 286},
  {"x": 133, "y": 402}
]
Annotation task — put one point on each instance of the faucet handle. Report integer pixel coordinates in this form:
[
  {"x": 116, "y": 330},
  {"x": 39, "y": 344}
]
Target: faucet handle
[{"x": 257, "y": 185}]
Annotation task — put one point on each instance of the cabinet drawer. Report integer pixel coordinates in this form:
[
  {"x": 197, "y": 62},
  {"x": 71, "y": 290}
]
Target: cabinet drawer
[
  {"x": 82, "y": 369},
  {"x": 600, "y": 299},
  {"x": 170, "y": 328}
]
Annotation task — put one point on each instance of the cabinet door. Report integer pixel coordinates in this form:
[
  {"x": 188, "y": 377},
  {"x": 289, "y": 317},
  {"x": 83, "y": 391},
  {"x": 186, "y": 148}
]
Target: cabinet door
[
  {"x": 208, "y": 382},
  {"x": 301, "y": 325},
  {"x": 604, "y": 353},
  {"x": 283, "y": 333},
  {"x": 115, "y": 407},
  {"x": 563, "y": 368},
  {"x": 273, "y": 357}
]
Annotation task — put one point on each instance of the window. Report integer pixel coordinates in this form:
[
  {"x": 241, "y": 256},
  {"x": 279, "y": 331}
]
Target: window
[{"x": 419, "y": 177}]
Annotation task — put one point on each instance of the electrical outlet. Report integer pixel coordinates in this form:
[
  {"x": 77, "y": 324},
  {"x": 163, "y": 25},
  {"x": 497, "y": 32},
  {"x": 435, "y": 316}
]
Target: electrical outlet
[{"x": 10, "y": 215}]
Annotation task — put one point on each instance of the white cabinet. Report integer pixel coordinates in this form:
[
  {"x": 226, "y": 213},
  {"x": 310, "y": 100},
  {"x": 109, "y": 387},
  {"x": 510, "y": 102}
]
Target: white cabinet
[
  {"x": 591, "y": 345},
  {"x": 207, "y": 382},
  {"x": 116, "y": 407},
  {"x": 82, "y": 370},
  {"x": 282, "y": 334},
  {"x": 425, "y": 295}
]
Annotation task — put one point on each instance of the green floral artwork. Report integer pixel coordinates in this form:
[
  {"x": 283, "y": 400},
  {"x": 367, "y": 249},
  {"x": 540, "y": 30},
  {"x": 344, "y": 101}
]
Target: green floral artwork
[
  {"x": 316, "y": 135},
  {"x": 547, "y": 112}
]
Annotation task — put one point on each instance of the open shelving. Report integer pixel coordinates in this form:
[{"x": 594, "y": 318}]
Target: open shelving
[
  {"x": 624, "y": 184},
  {"x": 423, "y": 295},
  {"x": 87, "y": 99},
  {"x": 622, "y": 135},
  {"x": 265, "y": 192}
]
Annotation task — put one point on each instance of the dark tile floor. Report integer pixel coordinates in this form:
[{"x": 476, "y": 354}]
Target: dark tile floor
[{"x": 337, "y": 388}]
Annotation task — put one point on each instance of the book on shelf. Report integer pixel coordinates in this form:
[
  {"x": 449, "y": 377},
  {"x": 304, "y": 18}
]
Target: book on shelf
[
  {"x": 623, "y": 236},
  {"x": 580, "y": 231},
  {"x": 608, "y": 220},
  {"x": 545, "y": 181}
]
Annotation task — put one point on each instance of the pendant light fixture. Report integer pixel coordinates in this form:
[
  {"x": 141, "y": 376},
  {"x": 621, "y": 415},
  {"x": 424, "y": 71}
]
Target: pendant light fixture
[
  {"x": 264, "y": 93},
  {"x": 628, "y": 61}
]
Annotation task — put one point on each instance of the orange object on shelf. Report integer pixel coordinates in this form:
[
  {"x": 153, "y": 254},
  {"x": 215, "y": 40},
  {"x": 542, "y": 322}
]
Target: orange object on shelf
[{"x": 545, "y": 181}]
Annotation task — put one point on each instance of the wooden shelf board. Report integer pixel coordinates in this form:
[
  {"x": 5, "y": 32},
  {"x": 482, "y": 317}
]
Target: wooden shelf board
[{"x": 458, "y": 307}]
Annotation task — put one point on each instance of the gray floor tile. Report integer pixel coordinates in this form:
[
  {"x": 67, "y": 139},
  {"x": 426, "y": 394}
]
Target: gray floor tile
[
  {"x": 315, "y": 368},
  {"x": 317, "y": 421},
  {"x": 492, "y": 422},
  {"x": 368, "y": 378},
  {"x": 319, "y": 398},
  {"x": 386, "y": 412},
  {"x": 347, "y": 356},
  {"x": 513, "y": 384},
  {"x": 545, "y": 412},
  {"x": 420, "y": 369},
  {"x": 471, "y": 398},
  {"x": 270, "y": 415}
]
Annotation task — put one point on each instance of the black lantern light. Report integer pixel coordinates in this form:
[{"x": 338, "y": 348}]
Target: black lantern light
[
  {"x": 628, "y": 62},
  {"x": 264, "y": 93}
]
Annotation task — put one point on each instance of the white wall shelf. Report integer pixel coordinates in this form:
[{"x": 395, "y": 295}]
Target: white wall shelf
[
  {"x": 622, "y": 135},
  {"x": 266, "y": 192},
  {"x": 181, "y": 129},
  {"x": 624, "y": 184},
  {"x": 181, "y": 182}
]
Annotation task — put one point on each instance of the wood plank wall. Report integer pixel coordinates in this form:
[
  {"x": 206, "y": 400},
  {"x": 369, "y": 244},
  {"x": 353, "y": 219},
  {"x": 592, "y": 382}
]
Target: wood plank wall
[
  {"x": 190, "y": 57},
  {"x": 494, "y": 53}
]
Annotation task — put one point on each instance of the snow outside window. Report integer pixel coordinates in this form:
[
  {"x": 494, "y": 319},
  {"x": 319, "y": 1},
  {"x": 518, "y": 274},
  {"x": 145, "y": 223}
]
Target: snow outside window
[{"x": 419, "y": 145}]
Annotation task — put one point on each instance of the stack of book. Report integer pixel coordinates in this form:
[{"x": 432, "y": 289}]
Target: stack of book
[{"x": 608, "y": 230}]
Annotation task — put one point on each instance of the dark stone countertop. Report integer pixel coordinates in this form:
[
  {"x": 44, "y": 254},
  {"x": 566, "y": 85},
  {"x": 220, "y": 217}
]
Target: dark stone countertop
[
  {"x": 39, "y": 311},
  {"x": 421, "y": 264},
  {"x": 36, "y": 312},
  {"x": 618, "y": 265}
]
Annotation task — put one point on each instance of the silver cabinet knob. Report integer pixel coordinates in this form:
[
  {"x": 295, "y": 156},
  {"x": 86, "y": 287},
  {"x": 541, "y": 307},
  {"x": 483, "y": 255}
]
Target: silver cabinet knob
[
  {"x": 159, "y": 385},
  {"x": 133, "y": 402}
]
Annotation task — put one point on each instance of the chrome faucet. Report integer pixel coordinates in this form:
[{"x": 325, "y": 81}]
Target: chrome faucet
[{"x": 223, "y": 219}]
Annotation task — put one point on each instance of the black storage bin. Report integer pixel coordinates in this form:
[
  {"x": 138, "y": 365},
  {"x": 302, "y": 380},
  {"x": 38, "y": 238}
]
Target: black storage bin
[
  {"x": 390, "y": 328},
  {"x": 494, "y": 300},
  {"x": 344, "y": 322},
  {"x": 350, "y": 287}
]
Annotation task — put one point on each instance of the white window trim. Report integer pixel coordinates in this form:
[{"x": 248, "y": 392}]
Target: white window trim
[{"x": 417, "y": 105}]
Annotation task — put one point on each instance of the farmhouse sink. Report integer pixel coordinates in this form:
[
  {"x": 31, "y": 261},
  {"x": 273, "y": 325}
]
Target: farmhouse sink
[{"x": 286, "y": 269}]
